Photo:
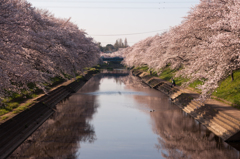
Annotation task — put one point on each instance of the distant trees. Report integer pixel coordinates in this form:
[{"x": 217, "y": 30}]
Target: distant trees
[
  {"x": 109, "y": 48},
  {"x": 36, "y": 46},
  {"x": 205, "y": 45},
  {"x": 119, "y": 44}
]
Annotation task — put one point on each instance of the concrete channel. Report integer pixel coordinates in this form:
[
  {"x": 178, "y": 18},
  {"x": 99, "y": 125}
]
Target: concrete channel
[{"x": 16, "y": 130}]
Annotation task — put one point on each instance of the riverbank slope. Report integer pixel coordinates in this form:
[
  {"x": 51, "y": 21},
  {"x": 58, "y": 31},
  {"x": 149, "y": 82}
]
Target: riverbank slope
[
  {"x": 17, "y": 128},
  {"x": 222, "y": 119}
]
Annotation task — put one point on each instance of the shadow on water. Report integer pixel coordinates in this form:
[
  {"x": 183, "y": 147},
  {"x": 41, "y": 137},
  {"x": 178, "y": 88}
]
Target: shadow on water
[{"x": 177, "y": 134}]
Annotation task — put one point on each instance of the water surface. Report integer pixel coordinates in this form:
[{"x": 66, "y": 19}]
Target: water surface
[{"x": 111, "y": 118}]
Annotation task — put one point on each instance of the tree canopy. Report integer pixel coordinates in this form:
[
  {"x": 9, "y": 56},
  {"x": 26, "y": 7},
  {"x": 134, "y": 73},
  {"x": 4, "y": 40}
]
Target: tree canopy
[
  {"x": 36, "y": 46},
  {"x": 204, "y": 46}
]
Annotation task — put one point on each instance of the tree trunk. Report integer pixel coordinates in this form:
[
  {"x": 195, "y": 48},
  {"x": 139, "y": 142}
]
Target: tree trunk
[{"x": 232, "y": 76}]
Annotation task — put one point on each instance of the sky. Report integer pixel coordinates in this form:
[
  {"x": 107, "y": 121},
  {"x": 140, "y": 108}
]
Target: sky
[{"x": 108, "y": 20}]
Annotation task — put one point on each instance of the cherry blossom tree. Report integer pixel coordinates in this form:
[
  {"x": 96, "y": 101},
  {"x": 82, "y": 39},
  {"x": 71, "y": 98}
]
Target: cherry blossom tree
[
  {"x": 205, "y": 45},
  {"x": 36, "y": 46}
]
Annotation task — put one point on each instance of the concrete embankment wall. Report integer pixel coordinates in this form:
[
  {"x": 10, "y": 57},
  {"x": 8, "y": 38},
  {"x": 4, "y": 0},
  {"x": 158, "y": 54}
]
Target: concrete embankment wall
[
  {"x": 17, "y": 129},
  {"x": 211, "y": 113}
]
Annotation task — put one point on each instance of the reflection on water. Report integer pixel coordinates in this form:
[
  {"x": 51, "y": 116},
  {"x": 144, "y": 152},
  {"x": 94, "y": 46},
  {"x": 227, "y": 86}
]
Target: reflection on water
[
  {"x": 116, "y": 92},
  {"x": 110, "y": 118},
  {"x": 59, "y": 136}
]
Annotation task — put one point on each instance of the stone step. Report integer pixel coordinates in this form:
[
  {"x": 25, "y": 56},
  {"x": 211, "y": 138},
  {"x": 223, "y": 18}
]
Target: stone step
[
  {"x": 237, "y": 122},
  {"x": 224, "y": 125},
  {"x": 164, "y": 88},
  {"x": 167, "y": 88},
  {"x": 188, "y": 109},
  {"x": 200, "y": 115},
  {"x": 156, "y": 85},
  {"x": 194, "y": 114},
  {"x": 173, "y": 89},
  {"x": 227, "y": 121},
  {"x": 143, "y": 74},
  {"x": 216, "y": 133},
  {"x": 175, "y": 95},
  {"x": 185, "y": 109},
  {"x": 223, "y": 133},
  {"x": 138, "y": 73},
  {"x": 147, "y": 81},
  {"x": 192, "y": 106},
  {"x": 198, "y": 103}
]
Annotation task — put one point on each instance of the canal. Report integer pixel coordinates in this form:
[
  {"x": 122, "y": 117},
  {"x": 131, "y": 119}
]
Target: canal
[{"x": 116, "y": 117}]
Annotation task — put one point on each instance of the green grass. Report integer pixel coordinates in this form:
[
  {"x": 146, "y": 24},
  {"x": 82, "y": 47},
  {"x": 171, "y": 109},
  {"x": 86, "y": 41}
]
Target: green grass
[
  {"x": 4, "y": 117},
  {"x": 90, "y": 68},
  {"x": 79, "y": 77},
  {"x": 195, "y": 84},
  {"x": 180, "y": 80},
  {"x": 95, "y": 68},
  {"x": 21, "y": 108},
  {"x": 230, "y": 90},
  {"x": 167, "y": 74},
  {"x": 143, "y": 68},
  {"x": 9, "y": 107},
  {"x": 14, "y": 100},
  {"x": 3, "y": 111}
]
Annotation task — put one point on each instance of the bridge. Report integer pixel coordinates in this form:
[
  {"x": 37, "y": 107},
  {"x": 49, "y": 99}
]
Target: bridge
[
  {"x": 112, "y": 59},
  {"x": 114, "y": 73}
]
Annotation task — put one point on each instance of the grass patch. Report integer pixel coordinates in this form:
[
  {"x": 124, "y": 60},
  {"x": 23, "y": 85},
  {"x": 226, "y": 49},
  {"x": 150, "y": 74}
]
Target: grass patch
[
  {"x": 3, "y": 111},
  {"x": 180, "y": 80},
  {"x": 167, "y": 74},
  {"x": 4, "y": 117},
  {"x": 79, "y": 77},
  {"x": 195, "y": 84},
  {"x": 11, "y": 104},
  {"x": 143, "y": 68},
  {"x": 95, "y": 68},
  {"x": 21, "y": 108},
  {"x": 230, "y": 90},
  {"x": 9, "y": 107},
  {"x": 90, "y": 68}
]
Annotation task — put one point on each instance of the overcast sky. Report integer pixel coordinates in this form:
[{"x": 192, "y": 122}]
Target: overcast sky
[{"x": 108, "y": 20}]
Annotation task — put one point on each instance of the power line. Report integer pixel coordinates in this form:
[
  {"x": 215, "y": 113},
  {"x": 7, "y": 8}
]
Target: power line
[
  {"x": 132, "y": 33},
  {"x": 112, "y": 42},
  {"x": 162, "y": 8},
  {"x": 115, "y": 2}
]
